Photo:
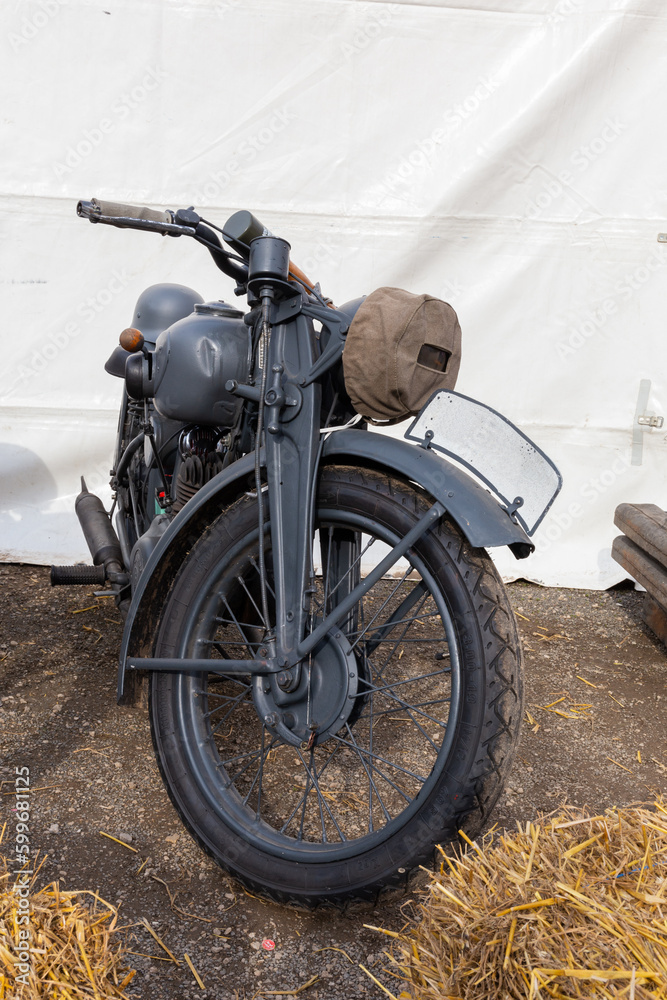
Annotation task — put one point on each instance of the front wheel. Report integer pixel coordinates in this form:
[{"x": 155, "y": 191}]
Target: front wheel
[{"x": 414, "y": 703}]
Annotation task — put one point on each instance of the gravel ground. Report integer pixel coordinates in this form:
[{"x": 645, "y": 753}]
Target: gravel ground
[{"x": 594, "y": 734}]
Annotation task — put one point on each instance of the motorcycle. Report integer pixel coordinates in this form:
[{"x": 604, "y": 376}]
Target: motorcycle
[{"x": 334, "y": 669}]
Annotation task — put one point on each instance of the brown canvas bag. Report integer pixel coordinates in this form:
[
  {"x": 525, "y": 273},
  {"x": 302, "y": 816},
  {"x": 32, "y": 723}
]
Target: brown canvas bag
[{"x": 400, "y": 349}]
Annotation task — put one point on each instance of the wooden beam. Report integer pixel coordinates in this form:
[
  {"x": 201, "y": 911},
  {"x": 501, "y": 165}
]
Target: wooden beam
[
  {"x": 641, "y": 567},
  {"x": 645, "y": 524},
  {"x": 655, "y": 617}
]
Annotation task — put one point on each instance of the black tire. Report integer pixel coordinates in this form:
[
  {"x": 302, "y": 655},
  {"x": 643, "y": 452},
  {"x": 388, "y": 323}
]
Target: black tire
[{"x": 435, "y": 714}]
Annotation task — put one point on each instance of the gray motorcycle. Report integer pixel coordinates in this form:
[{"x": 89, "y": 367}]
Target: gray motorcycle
[{"x": 331, "y": 663}]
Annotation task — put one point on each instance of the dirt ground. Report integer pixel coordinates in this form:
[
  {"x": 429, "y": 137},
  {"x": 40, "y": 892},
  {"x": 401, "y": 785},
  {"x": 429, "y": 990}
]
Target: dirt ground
[{"x": 595, "y": 734}]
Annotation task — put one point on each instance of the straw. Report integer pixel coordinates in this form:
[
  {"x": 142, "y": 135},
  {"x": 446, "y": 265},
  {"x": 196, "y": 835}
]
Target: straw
[
  {"x": 556, "y": 909},
  {"x": 194, "y": 971},
  {"x": 75, "y": 949}
]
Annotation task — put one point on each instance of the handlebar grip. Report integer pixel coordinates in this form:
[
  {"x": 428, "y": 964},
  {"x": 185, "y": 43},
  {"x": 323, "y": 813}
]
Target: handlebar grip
[{"x": 115, "y": 210}]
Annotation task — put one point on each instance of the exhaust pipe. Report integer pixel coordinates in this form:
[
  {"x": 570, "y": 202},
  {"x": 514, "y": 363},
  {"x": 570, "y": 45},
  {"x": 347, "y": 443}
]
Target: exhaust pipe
[{"x": 102, "y": 541}]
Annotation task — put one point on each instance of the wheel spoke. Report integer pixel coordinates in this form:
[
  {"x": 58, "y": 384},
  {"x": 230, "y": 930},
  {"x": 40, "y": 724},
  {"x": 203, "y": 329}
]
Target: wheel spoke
[
  {"x": 244, "y": 587},
  {"x": 260, "y": 771},
  {"x": 254, "y": 565},
  {"x": 408, "y": 680},
  {"x": 415, "y": 618},
  {"x": 233, "y": 620},
  {"x": 216, "y": 644},
  {"x": 383, "y": 605},
  {"x": 407, "y": 706},
  {"x": 319, "y": 798},
  {"x": 354, "y": 565},
  {"x": 394, "y": 711},
  {"x": 235, "y": 702},
  {"x": 421, "y": 642},
  {"x": 232, "y": 679},
  {"x": 397, "y": 642},
  {"x": 238, "y": 756},
  {"x": 251, "y": 756},
  {"x": 298, "y": 805},
  {"x": 312, "y": 774},
  {"x": 305, "y": 806},
  {"x": 378, "y": 770},
  {"x": 239, "y": 774},
  {"x": 239, "y": 625},
  {"x": 370, "y": 766},
  {"x": 406, "y": 605},
  {"x": 367, "y": 753},
  {"x": 263, "y": 754},
  {"x": 371, "y": 783}
]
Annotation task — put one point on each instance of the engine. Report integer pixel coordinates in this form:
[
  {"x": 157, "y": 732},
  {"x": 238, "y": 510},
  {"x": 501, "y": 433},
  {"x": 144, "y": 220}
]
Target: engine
[{"x": 201, "y": 457}]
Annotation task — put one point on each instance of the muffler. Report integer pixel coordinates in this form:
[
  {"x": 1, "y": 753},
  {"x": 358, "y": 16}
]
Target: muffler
[{"x": 102, "y": 541}]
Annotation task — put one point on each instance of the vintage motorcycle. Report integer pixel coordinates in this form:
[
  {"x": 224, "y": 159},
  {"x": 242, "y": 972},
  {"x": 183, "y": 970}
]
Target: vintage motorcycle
[{"x": 334, "y": 668}]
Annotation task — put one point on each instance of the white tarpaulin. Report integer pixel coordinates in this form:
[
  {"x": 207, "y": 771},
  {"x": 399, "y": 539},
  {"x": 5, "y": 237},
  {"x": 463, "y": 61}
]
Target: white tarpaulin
[{"x": 510, "y": 158}]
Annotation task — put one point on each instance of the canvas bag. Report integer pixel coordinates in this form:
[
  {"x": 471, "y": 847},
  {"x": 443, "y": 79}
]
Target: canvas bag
[{"x": 400, "y": 349}]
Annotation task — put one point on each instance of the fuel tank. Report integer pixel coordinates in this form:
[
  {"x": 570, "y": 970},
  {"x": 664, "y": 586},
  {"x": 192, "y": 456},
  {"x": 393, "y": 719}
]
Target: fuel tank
[{"x": 193, "y": 360}]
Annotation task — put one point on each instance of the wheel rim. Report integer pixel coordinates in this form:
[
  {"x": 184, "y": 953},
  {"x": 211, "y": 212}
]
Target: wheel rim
[{"x": 361, "y": 784}]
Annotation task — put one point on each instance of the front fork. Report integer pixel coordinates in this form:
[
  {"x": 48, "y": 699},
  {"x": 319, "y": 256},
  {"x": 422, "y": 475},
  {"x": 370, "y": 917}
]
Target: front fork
[{"x": 292, "y": 428}]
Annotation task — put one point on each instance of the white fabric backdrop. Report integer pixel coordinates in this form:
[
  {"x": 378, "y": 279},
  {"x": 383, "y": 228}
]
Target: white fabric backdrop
[{"x": 511, "y": 161}]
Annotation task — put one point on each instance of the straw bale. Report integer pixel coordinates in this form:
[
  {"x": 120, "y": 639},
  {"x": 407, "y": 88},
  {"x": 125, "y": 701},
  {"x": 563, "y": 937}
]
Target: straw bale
[
  {"x": 568, "y": 906},
  {"x": 75, "y": 945}
]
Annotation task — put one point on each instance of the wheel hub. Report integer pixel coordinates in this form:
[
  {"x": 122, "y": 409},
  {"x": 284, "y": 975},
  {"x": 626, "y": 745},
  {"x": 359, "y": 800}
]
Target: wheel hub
[{"x": 322, "y": 702}]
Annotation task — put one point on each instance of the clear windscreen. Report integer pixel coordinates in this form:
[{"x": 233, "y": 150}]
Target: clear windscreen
[{"x": 493, "y": 449}]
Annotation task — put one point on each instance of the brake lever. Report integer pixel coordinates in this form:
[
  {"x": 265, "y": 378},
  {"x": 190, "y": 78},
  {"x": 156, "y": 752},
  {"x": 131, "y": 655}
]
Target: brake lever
[{"x": 165, "y": 228}]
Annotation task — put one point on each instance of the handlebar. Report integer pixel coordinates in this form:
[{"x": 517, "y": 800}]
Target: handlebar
[
  {"x": 183, "y": 223},
  {"x": 239, "y": 231}
]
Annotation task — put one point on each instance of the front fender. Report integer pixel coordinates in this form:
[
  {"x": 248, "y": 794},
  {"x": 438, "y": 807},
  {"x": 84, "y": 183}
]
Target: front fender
[
  {"x": 479, "y": 516},
  {"x": 481, "y": 519}
]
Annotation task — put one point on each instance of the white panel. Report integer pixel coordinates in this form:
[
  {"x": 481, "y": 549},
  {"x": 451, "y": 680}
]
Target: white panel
[{"x": 510, "y": 158}]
